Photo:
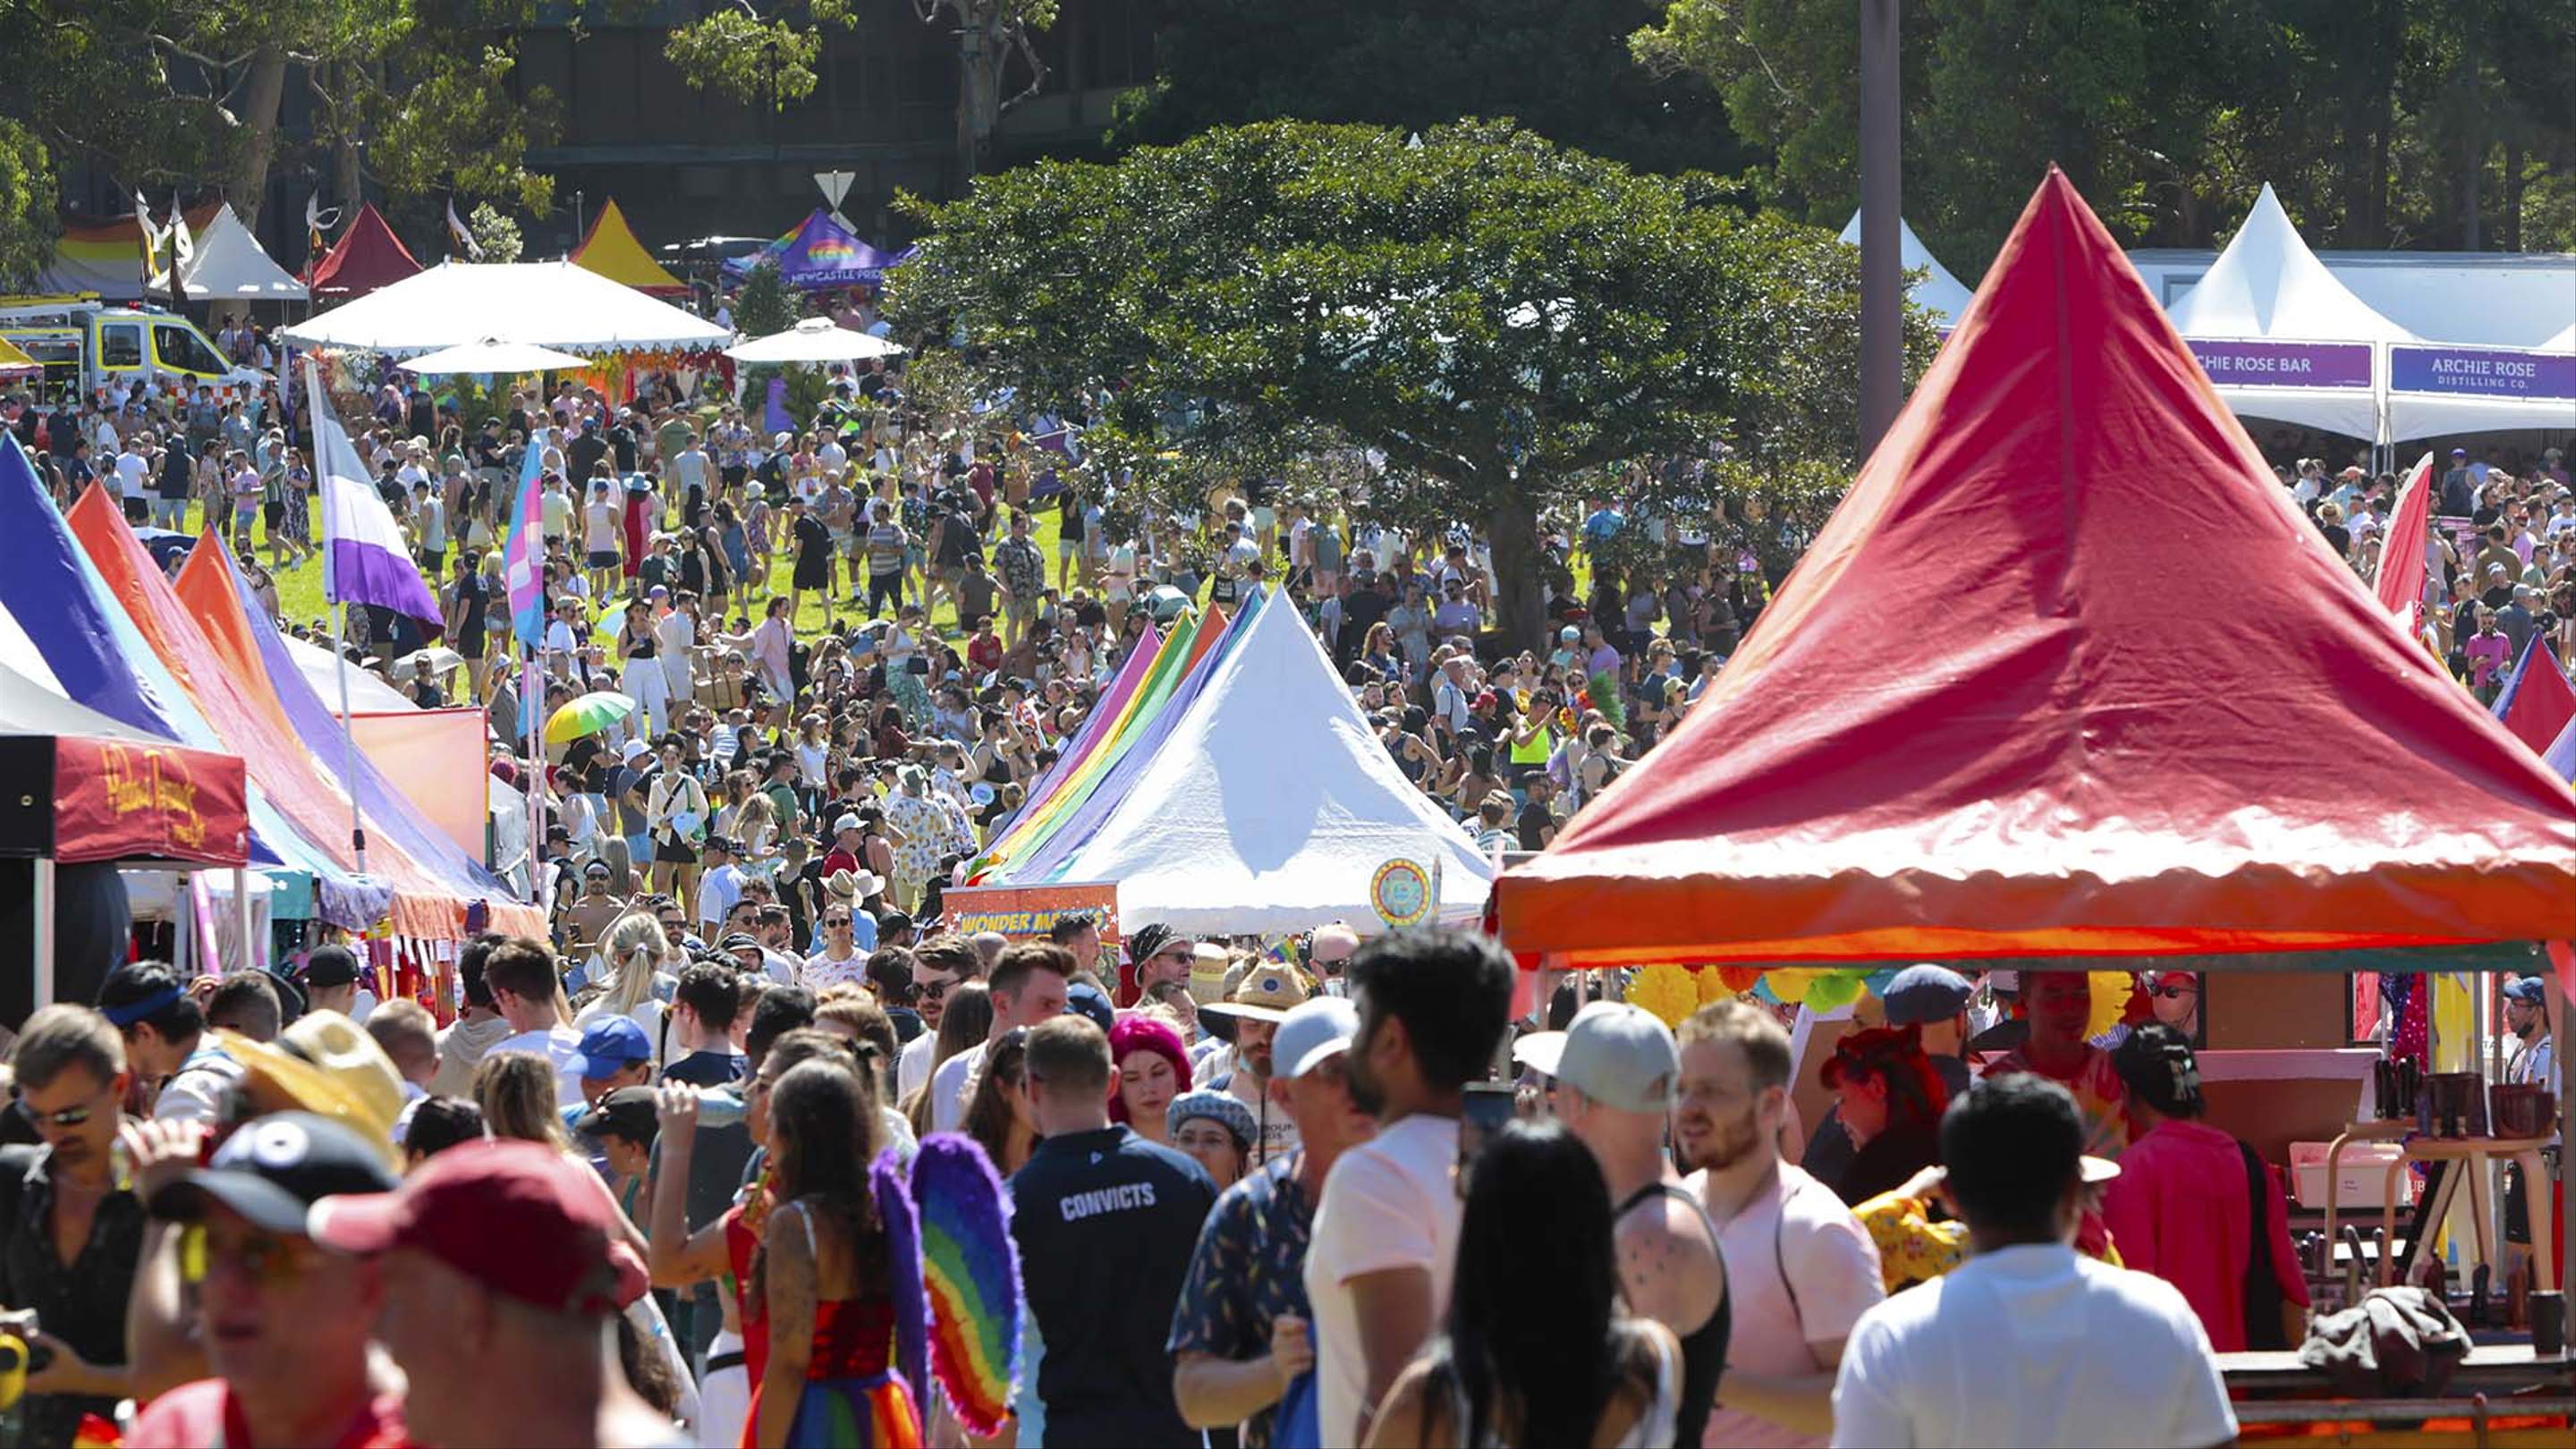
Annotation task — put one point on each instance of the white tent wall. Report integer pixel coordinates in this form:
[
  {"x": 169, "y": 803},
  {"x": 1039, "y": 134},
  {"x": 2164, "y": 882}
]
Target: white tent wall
[
  {"x": 2486, "y": 299},
  {"x": 1272, "y": 805}
]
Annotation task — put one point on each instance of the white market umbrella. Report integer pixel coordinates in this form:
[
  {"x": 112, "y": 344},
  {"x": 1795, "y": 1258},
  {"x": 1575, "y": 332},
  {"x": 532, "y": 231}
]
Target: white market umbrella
[
  {"x": 816, "y": 339},
  {"x": 440, "y": 660},
  {"x": 494, "y": 356}
]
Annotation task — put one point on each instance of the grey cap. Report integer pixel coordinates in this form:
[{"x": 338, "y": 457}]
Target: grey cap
[
  {"x": 1616, "y": 1054},
  {"x": 1311, "y": 1033}
]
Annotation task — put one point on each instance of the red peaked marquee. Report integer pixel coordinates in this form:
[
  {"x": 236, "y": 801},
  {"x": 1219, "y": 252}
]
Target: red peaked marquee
[{"x": 2067, "y": 674}]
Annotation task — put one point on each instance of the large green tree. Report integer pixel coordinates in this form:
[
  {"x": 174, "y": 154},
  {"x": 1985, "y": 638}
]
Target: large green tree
[
  {"x": 1507, "y": 323},
  {"x": 411, "y": 95},
  {"x": 1560, "y": 68}
]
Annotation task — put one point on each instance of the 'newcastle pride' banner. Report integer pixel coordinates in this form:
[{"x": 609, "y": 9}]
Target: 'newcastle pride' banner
[
  {"x": 2283, "y": 364},
  {"x": 2482, "y": 372}
]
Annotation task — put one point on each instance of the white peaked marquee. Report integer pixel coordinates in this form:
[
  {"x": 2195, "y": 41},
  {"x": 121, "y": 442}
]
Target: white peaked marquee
[
  {"x": 1939, "y": 293},
  {"x": 2280, "y": 337},
  {"x": 1272, "y": 806}
]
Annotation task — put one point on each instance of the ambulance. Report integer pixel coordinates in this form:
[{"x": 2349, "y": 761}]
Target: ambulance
[{"x": 97, "y": 346}]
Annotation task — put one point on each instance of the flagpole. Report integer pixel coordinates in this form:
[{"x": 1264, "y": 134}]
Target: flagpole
[{"x": 349, "y": 742}]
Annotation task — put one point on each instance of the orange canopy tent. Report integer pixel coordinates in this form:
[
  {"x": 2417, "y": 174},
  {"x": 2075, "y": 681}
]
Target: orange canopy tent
[
  {"x": 2067, "y": 675},
  {"x": 367, "y": 256},
  {"x": 612, "y": 251}
]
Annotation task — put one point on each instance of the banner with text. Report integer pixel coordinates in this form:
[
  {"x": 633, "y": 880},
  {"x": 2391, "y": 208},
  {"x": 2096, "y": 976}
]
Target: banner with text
[
  {"x": 1027, "y": 913},
  {"x": 2283, "y": 364},
  {"x": 2483, "y": 372}
]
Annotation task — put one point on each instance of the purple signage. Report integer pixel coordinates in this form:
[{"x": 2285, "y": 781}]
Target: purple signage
[
  {"x": 2482, "y": 372},
  {"x": 2283, "y": 364}
]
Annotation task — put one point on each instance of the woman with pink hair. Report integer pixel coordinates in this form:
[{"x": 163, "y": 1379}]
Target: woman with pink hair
[{"x": 1153, "y": 1068}]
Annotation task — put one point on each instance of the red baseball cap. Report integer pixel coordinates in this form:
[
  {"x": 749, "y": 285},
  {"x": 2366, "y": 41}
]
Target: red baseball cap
[{"x": 516, "y": 1217}]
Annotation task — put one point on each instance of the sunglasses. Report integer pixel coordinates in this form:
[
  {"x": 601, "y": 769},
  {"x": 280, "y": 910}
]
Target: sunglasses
[
  {"x": 2176, "y": 991},
  {"x": 836, "y": 920},
  {"x": 673, "y": 923},
  {"x": 67, "y": 1117},
  {"x": 933, "y": 990},
  {"x": 267, "y": 1260}
]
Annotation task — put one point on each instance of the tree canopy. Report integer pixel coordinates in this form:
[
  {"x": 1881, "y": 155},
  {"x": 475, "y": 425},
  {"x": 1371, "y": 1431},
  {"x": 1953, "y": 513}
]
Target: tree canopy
[
  {"x": 1560, "y": 68},
  {"x": 2382, "y": 123},
  {"x": 1505, "y": 322}
]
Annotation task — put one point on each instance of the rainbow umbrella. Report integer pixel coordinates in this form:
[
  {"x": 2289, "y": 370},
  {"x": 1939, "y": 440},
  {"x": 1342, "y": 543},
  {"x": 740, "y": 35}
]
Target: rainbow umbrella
[{"x": 588, "y": 715}]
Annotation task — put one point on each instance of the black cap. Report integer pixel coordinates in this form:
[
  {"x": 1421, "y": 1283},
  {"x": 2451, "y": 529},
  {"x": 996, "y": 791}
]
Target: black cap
[
  {"x": 274, "y": 1169},
  {"x": 331, "y": 966},
  {"x": 628, "y": 1112}
]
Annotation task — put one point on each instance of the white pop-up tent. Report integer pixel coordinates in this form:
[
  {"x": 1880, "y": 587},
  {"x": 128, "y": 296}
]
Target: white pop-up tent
[
  {"x": 229, "y": 265},
  {"x": 368, "y": 693},
  {"x": 2283, "y": 339},
  {"x": 1939, "y": 293},
  {"x": 1272, "y": 806},
  {"x": 549, "y": 304}
]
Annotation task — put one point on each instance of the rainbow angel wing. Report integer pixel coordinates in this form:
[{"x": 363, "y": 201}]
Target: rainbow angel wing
[
  {"x": 903, "y": 1270},
  {"x": 970, "y": 1267}
]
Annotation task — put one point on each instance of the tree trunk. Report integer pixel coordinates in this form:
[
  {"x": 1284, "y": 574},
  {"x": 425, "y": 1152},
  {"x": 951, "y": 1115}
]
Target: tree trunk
[
  {"x": 348, "y": 173},
  {"x": 1520, "y": 588},
  {"x": 979, "y": 96},
  {"x": 263, "y": 95},
  {"x": 2512, "y": 228}
]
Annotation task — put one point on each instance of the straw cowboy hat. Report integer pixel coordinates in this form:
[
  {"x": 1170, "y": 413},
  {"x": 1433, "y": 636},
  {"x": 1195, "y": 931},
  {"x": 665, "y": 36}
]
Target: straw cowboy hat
[
  {"x": 843, "y": 885},
  {"x": 326, "y": 1064},
  {"x": 1268, "y": 992}
]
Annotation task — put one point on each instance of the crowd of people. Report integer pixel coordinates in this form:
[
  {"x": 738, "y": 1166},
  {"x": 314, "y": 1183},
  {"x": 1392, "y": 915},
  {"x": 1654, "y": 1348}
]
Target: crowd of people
[
  {"x": 623, "y": 1196},
  {"x": 1254, "y": 1202}
]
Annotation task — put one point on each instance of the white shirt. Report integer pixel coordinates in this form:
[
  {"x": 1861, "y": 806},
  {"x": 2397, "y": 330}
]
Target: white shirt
[
  {"x": 718, "y": 889},
  {"x": 2032, "y": 1345},
  {"x": 131, "y": 469},
  {"x": 949, "y": 1086},
  {"x": 195, "y": 1092},
  {"x": 1796, "y": 1224},
  {"x": 1389, "y": 1203},
  {"x": 912, "y": 1065},
  {"x": 557, "y": 1044}
]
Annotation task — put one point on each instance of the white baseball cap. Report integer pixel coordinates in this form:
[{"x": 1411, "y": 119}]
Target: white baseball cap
[
  {"x": 1618, "y": 1055},
  {"x": 1311, "y": 1033}
]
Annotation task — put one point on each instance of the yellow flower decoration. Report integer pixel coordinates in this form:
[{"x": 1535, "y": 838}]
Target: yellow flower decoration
[
  {"x": 2110, "y": 1000},
  {"x": 1666, "y": 990}
]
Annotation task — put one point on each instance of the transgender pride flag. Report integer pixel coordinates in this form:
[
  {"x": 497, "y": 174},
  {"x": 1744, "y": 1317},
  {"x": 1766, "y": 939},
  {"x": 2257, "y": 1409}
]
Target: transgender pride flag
[
  {"x": 521, "y": 554},
  {"x": 364, "y": 560}
]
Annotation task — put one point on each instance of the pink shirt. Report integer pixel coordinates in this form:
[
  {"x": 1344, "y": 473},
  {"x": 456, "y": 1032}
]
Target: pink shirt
[{"x": 2178, "y": 1210}]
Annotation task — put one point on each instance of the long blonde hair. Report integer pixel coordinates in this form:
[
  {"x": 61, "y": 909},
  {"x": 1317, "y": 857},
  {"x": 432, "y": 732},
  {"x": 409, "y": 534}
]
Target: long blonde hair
[
  {"x": 516, "y": 1091},
  {"x": 634, "y": 948}
]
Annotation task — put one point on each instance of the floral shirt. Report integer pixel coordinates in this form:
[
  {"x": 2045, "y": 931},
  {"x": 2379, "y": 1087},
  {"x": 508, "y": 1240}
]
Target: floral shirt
[
  {"x": 926, "y": 835},
  {"x": 1248, "y": 1270},
  {"x": 1023, "y": 569}
]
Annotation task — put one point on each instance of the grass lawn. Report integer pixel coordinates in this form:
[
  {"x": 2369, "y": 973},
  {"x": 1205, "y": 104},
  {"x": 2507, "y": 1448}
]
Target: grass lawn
[{"x": 299, "y": 591}]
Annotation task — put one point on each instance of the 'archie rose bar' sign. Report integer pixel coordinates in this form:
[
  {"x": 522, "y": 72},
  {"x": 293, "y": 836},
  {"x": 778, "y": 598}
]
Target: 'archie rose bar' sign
[
  {"x": 2284, "y": 364},
  {"x": 2483, "y": 372}
]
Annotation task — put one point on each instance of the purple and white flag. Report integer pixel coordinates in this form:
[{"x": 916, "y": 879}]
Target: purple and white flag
[{"x": 364, "y": 559}]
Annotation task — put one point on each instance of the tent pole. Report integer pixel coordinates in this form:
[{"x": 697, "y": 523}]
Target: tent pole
[
  {"x": 43, "y": 915},
  {"x": 349, "y": 741},
  {"x": 250, "y": 951},
  {"x": 2558, "y": 982},
  {"x": 532, "y": 711}
]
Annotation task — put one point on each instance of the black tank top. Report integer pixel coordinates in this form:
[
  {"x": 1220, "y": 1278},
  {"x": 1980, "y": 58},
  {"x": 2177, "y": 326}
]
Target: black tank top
[
  {"x": 1703, "y": 1348},
  {"x": 640, "y": 646}
]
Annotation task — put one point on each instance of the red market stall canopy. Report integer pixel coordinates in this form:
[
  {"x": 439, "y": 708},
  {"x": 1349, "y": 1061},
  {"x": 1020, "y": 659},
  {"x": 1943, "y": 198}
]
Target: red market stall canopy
[
  {"x": 2066, "y": 675},
  {"x": 367, "y": 256},
  {"x": 85, "y": 788}
]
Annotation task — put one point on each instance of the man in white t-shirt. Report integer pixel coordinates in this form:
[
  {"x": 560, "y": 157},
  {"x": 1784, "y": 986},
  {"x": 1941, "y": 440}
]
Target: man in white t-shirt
[
  {"x": 1432, "y": 1004},
  {"x": 1800, "y": 1269},
  {"x": 1028, "y": 987},
  {"x": 524, "y": 984},
  {"x": 937, "y": 966},
  {"x": 2028, "y": 1342}
]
